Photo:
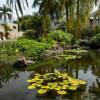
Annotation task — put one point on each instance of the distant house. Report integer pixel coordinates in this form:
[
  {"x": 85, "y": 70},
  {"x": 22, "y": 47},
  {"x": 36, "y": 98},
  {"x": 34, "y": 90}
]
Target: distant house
[
  {"x": 95, "y": 19},
  {"x": 14, "y": 33}
]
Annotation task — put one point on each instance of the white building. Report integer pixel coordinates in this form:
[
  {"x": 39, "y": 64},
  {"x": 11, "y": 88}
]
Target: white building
[
  {"x": 95, "y": 19},
  {"x": 14, "y": 33}
]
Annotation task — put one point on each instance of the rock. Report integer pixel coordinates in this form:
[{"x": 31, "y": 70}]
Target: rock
[
  {"x": 22, "y": 62},
  {"x": 29, "y": 62},
  {"x": 51, "y": 53},
  {"x": 84, "y": 43}
]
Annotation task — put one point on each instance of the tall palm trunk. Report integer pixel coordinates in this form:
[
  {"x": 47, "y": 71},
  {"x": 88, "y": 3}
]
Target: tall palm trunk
[
  {"x": 67, "y": 14},
  {"x": 66, "y": 8},
  {"x": 4, "y": 18},
  {"x": 78, "y": 2}
]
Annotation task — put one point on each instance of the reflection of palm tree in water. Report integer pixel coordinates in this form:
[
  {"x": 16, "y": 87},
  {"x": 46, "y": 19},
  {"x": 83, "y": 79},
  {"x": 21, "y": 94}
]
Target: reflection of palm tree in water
[{"x": 7, "y": 73}]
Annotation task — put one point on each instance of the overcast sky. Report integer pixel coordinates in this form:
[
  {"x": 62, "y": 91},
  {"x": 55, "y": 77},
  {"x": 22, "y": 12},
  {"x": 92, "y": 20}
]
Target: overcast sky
[{"x": 28, "y": 10}]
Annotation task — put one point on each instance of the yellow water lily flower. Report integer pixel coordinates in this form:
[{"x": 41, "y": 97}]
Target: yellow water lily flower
[
  {"x": 38, "y": 85},
  {"x": 31, "y": 87},
  {"x": 50, "y": 84},
  {"x": 64, "y": 87},
  {"x": 61, "y": 83},
  {"x": 64, "y": 76},
  {"x": 57, "y": 88},
  {"x": 41, "y": 91},
  {"x": 39, "y": 82},
  {"x": 30, "y": 81},
  {"x": 62, "y": 92},
  {"x": 44, "y": 87},
  {"x": 72, "y": 87},
  {"x": 65, "y": 82},
  {"x": 36, "y": 79},
  {"x": 82, "y": 82},
  {"x": 37, "y": 74},
  {"x": 56, "y": 81},
  {"x": 51, "y": 87},
  {"x": 75, "y": 83}
]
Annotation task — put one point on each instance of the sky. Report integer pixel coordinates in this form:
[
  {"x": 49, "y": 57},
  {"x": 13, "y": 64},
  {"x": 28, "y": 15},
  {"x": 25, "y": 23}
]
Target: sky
[{"x": 28, "y": 10}]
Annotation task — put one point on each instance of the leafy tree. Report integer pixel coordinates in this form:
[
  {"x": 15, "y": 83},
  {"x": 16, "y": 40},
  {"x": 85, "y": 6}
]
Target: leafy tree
[
  {"x": 5, "y": 13},
  {"x": 18, "y": 5},
  {"x": 33, "y": 24},
  {"x": 75, "y": 10}
]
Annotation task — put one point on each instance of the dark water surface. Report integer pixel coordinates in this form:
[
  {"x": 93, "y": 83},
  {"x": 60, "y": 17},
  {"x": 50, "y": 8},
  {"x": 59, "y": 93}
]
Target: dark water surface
[{"x": 13, "y": 85}]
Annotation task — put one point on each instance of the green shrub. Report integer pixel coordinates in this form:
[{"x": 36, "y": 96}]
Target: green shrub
[
  {"x": 90, "y": 32},
  {"x": 8, "y": 51},
  {"x": 96, "y": 30},
  {"x": 60, "y": 36},
  {"x": 32, "y": 48},
  {"x": 95, "y": 41}
]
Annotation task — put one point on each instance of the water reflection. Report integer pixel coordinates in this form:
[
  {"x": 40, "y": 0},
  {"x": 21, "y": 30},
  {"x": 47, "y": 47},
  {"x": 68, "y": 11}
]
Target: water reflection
[
  {"x": 7, "y": 73},
  {"x": 86, "y": 68}
]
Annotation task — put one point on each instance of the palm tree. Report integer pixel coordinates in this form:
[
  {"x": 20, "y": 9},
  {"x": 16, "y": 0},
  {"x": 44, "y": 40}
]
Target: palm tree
[
  {"x": 18, "y": 5},
  {"x": 49, "y": 9},
  {"x": 5, "y": 13}
]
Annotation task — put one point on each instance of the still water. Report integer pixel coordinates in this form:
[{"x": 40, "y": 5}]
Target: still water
[{"x": 13, "y": 85}]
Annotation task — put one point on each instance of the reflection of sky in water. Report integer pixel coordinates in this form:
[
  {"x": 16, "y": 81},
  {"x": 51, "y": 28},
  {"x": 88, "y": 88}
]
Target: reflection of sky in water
[
  {"x": 88, "y": 76},
  {"x": 17, "y": 89}
]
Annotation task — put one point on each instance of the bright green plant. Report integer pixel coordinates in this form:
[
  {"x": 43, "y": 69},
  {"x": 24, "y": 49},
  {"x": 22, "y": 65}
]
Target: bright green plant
[
  {"x": 61, "y": 36},
  {"x": 76, "y": 51},
  {"x": 8, "y": 51},
  {"x": 32, "y": 48},
  {"x": 57, "y": 83}
]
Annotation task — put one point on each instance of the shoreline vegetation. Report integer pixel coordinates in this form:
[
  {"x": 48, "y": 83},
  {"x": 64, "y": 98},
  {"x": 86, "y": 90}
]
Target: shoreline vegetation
[
  {"x": 53, "y": 44},
  {"x": 31, "y": 48}
]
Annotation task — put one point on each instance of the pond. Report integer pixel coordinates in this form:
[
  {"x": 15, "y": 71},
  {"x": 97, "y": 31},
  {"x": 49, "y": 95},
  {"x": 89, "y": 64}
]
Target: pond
[{"x": 13, "y": 85}]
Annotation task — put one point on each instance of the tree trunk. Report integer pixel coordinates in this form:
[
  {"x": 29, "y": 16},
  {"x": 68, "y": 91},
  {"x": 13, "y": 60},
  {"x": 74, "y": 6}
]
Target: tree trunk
[
  {"x": 4, "y": 19},
  {"x": 78, "y": 10},
  {"x": 67, "y": 14}
]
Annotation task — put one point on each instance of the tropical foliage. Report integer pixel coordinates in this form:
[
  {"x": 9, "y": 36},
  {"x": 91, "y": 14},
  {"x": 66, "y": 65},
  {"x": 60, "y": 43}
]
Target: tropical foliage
[
  {"x": 60, "y": 36},
  {"x": 76, "y": 11},
  {"x": 34, "y": 23},
  {"x": 5, "y": 13},
  {"x": 18, "y": 5}
]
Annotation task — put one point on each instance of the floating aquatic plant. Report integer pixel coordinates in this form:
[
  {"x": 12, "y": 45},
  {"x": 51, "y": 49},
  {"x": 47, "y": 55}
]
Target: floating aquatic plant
[
  {"x": 59, "y": 83},
  {"x": 71, "y": 54},
  {"x": 67, "y": 57},
  {"x": 77, "y": 51}
]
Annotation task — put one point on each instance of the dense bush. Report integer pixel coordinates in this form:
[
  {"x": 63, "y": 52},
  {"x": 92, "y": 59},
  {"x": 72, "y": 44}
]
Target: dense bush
[
  {"x": 96, "y": 29},
  {"x": 8, "y": 51},
  {"x": 95, "y": 41},
  {"x": 32, "y": 48},
  {"x": 34, "y": 22},
  {"x": 90, "y": 32},
  {"x": 60, "y": 36}
]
